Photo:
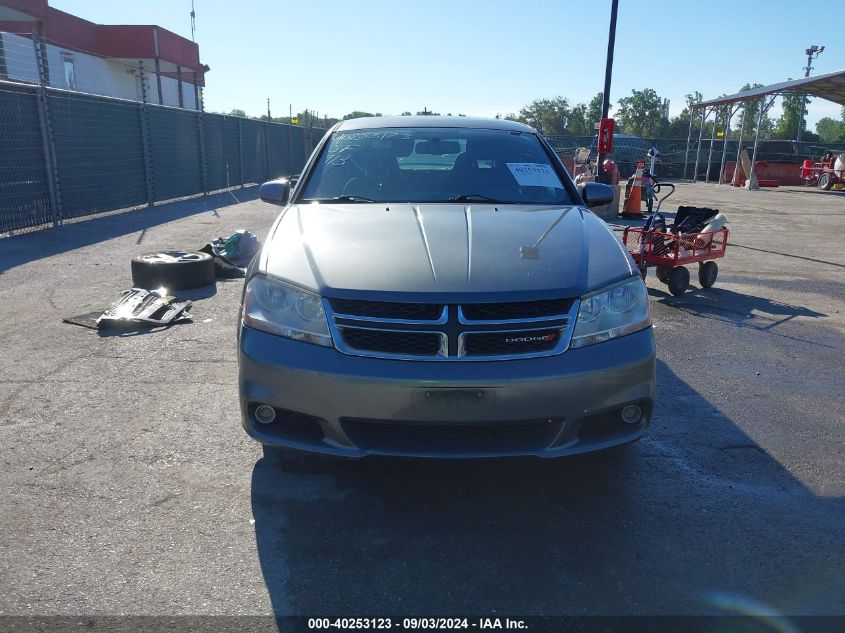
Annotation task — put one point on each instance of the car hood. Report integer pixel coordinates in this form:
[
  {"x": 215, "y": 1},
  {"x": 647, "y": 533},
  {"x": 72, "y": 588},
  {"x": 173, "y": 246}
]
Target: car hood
[{"x": 443, "y": 249}]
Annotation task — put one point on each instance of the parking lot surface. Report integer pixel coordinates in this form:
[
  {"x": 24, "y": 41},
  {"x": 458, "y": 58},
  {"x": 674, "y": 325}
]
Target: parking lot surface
[{"x": 129, "y": 487}]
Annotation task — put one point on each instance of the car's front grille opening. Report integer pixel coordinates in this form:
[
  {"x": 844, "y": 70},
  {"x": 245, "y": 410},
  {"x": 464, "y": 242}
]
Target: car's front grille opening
[
  {"x": 291, "y": 424},
  {"x": 463, "y": 332},
  {"x": 510, "y": 343},
  {"x": 415, "y": 438},
  {"x": 388, "y": 309},
  {"x": 391, "y": 342},
  {"x": 516, "y": 310}
]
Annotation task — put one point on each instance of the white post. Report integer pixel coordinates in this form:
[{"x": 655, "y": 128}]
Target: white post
[
  {"x": 730, "y": 114},
  {"x": 735, "y": 179},
  {"x": 689, "y": 137},
  {"x": 752, "y": 177},
  {"x": 698, "y": 149},
  {"x": 712, "y": 140}
]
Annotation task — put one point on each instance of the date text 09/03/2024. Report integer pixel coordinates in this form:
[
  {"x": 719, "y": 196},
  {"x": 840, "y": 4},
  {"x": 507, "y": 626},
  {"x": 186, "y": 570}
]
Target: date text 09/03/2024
[{"x": 377, "y": 623}]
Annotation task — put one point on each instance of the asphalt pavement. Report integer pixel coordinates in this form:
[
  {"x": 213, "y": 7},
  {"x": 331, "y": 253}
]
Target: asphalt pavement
[{"x": 129, "y": 487}]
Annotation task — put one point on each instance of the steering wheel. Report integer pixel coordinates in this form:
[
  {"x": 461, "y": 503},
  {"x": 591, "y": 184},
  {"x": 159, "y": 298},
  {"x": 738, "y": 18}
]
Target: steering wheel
[{"x": 360, "y": 186}]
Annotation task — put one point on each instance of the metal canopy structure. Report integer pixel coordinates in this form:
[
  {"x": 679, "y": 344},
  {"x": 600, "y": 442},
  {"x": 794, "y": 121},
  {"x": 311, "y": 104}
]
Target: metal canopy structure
[{"x": 830, "y": 87}]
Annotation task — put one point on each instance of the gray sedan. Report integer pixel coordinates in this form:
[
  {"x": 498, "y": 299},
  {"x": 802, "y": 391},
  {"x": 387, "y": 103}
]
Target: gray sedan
[{"x": 437, "y": 287}]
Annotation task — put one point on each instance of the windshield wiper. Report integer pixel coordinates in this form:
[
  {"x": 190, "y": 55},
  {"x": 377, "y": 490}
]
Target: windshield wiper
[
  {"x": 474, "y": 197},
  {"x": 343, "y": 198}
]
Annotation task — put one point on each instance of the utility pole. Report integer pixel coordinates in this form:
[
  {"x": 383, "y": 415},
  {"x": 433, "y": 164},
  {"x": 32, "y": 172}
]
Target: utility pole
[
  {"x": 268, "y": 110},
  {"x": 608, "y": 72},
  {"x": 193, "y": 20},
  {"x": 812, "y": 53}
]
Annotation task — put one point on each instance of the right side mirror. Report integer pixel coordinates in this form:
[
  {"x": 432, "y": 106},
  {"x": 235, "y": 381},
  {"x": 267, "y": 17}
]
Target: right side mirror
[
  {"x": 275, "y": 191},
  {"x": 596, "y": 194}
]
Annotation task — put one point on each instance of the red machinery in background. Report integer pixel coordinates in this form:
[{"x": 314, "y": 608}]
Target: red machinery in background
[{"x": 829, "y": 171}]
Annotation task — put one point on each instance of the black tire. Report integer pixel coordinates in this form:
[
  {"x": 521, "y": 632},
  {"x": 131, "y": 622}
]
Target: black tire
[
  {"x": 173, "y": 270},
  {"x": 662, "y": 273},
  {"x": 825, "y": 181},
  {"x": 707, "y": 273},
  {"x": 678, "y": 280},
  {"x": 643, "y": 270}
]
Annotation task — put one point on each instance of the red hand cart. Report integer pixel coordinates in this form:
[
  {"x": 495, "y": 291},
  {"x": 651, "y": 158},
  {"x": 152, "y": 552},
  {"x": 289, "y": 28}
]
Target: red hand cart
[{"x": 670, "y": 252}]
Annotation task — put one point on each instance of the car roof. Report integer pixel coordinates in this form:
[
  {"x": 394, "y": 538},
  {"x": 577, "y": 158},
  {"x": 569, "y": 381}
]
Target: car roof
[{"x": 480, "y": 123}]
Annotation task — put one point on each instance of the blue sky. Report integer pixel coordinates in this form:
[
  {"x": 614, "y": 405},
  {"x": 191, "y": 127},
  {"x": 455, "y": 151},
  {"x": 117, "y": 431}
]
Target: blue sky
[{"x": 480, "y": 57}]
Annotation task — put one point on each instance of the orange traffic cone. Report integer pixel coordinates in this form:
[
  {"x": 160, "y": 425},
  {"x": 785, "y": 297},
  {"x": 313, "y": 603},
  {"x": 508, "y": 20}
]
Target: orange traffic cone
[{"x": 633, "y": 201}]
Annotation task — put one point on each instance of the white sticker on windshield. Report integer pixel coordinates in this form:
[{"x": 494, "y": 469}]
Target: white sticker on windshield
[{"x": 535, "y": 175}]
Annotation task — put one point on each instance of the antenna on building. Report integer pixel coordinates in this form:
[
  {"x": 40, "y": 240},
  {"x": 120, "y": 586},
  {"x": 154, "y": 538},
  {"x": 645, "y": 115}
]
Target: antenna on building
[{"x": 193, "y": 20}]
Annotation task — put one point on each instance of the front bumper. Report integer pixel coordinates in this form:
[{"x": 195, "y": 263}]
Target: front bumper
[{"x": 333, "y": 403}]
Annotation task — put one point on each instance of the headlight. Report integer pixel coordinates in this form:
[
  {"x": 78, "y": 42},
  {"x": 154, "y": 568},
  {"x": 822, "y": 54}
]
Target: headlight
[
  {"x": 276, "y": 307},
  {"x": 613, "y": 313}
]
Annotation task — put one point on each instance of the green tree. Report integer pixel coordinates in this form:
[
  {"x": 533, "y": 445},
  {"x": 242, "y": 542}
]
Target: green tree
[
  {"x": 593, "y": 114},
  {"x": 549, "y": 116},
  {"x": 642, "y": 114},
  {"x": 794, "y": 107},
  {"x": 358, "y": 114},
  {"x": 237, "y": 112},
  {"x": 578, "y": 121},
  {"x": 751, "y": 110},
  {"x": 679, "y": 126},
  {"x": 830, "y": 130}
]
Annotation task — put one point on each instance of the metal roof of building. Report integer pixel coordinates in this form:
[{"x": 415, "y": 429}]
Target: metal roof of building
[{"x": 830, "y": 86}]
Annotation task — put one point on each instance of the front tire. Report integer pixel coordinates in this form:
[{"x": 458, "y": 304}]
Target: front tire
[
  {"x": 662, "y": 273},
  {"x": 678, "y": 280},
  {"x": 825, "y": 181},
  {"x": 707, "y": 273}
]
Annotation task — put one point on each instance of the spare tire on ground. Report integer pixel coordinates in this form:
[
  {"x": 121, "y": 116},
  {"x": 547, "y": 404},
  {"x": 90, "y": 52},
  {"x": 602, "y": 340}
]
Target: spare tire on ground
[{"x": 173, "y": 270}]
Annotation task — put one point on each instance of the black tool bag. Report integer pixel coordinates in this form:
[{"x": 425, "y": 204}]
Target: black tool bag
[{"x": 692, "y": 219}]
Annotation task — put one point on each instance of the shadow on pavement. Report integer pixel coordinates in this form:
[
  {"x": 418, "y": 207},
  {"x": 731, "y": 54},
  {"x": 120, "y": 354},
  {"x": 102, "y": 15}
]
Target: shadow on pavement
[
  {"x": 734, "y": 307},
  {"x": 27, "y": 247},
  {"x": 809, "y": 259},
  {"x": 694, "y": 513}
]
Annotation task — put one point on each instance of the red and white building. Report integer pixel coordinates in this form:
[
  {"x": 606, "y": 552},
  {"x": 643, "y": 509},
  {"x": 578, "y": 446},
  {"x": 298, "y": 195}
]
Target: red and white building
[{"x": 99, "y": 59}]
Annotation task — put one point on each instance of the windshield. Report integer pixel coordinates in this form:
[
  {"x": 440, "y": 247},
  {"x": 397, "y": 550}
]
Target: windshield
[{"x": 435, "y": 165}]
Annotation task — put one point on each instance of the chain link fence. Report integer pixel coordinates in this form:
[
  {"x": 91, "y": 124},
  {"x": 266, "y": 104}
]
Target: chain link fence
[
  {"x": 24, "y": 193},
  {"x": 68, "y": 154},
  {"x": 674, "y": 155}
]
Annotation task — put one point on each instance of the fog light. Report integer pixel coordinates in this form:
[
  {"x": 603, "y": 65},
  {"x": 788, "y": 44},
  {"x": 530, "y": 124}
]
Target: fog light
[
  {"x": 632, "y": 413},
  {"x": 265, "y": 414}
]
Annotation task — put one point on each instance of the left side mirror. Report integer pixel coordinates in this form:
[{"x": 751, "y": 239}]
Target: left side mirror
[
  {"x": 275, "y": 191},
  {"x": 596, "y": 194}
]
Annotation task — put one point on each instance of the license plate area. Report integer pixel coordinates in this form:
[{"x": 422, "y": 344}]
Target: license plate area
[{"x": 456, "y": 396}]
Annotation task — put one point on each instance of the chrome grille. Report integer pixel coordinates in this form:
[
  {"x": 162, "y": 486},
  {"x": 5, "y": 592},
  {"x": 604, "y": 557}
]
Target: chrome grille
[{"x": 448, "y": 332}]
